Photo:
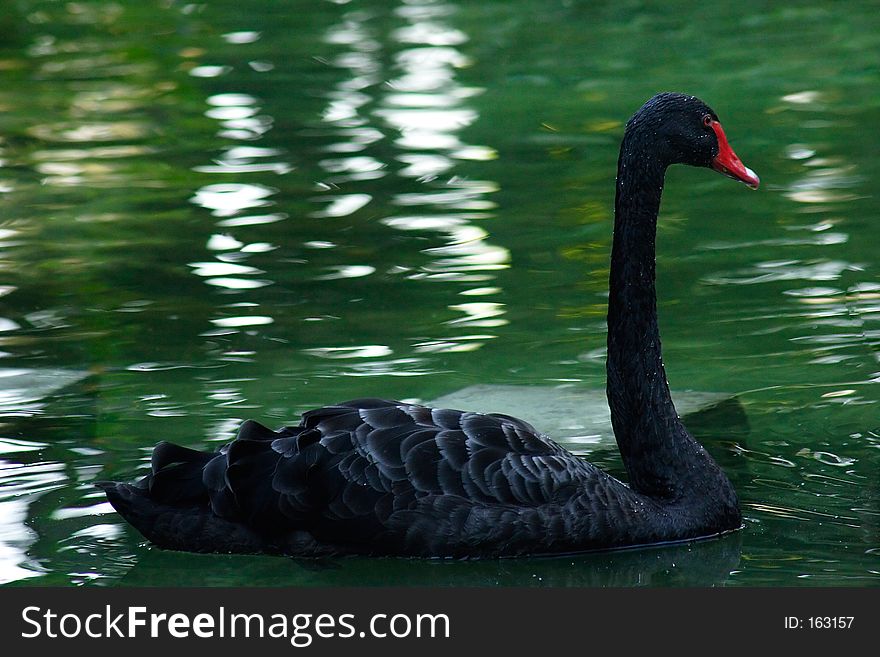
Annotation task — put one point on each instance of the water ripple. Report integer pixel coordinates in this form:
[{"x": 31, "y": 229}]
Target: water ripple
[{"x": 786, "y": 270}]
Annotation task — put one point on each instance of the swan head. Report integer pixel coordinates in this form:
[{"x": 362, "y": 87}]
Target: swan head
[{"x": 684, "y": 130}]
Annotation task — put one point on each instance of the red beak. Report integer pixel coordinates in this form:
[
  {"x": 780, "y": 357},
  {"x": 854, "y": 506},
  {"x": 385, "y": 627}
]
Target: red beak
[{"x": 728, "y": 163}]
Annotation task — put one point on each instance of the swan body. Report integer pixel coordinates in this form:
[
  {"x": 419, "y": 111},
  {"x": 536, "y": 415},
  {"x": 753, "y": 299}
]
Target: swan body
[{"x": 380, "y": 477}]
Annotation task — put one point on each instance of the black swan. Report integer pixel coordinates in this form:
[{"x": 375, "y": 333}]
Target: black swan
[{"x": 377, "y": 477}]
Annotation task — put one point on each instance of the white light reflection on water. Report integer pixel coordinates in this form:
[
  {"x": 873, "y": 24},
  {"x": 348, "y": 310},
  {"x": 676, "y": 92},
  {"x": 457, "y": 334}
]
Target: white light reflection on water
[
  {"x": 467, "y": 251},
  {"x": 829, "y": 319},
  {"x": 241, "y": 119},
  {"x": 342, "y": 206},
  {"x": 208, "y": 71},
  {"x": 233, "y": 283},
  {"x": 223, "y": 242},
  {"x": 837, "y": 323},
  {"x": 221, "y": 269},
  {"x": 243, "y": 320},
  {"x": 422, "y": 108},
  {"x": 363, "y": 351},
  {"x": 347, "y": 271},
  {"x": 21, "y": 484},
  {"x": 786, "y": 270},
  {"x": 228, "y": 199},
  {"x": 15, "y": 538},
  {"x": 824, "y": 177},
  {"x": 428, "y": 108},
  {"x": 252, "y": 220},
  {"x": 23, "y": 391},
  {"x": 243, "y": 36},
  {"x": 819, "y": 184}
]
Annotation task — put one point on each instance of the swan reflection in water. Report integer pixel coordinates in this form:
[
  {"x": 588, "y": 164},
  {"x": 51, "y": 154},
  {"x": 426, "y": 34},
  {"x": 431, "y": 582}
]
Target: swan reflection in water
[{"x": 699, "y": 563}]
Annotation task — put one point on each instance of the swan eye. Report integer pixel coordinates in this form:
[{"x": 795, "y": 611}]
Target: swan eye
[{"x": 707, "y": 120}]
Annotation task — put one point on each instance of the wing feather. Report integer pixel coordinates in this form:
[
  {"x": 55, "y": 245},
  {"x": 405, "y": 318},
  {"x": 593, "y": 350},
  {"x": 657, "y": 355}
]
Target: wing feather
[{"x": 371, "y": 467}]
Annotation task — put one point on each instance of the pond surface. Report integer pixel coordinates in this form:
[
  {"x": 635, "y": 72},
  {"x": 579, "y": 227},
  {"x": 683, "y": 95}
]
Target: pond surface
[{"x": 231, "y": 209}]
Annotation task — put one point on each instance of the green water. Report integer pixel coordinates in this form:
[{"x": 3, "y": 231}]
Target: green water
[{"x": 224, "y": 210}]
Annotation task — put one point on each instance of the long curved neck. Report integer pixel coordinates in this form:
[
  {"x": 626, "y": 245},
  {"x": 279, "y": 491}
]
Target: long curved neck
[{"x": 656, "y": 449}]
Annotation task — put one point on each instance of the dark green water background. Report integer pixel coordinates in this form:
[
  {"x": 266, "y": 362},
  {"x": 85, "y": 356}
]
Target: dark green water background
[{"x": 245, "y": 208}]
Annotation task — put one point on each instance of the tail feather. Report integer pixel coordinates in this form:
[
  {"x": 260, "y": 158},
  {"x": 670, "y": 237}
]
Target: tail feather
[
  {"x": 169, "y": 499},
  {"x": 177, "y": 475},
  {"x": 133, "y": 503},
  {"x": 214, "y": 502},
  {"x": 180, "y": 527}
]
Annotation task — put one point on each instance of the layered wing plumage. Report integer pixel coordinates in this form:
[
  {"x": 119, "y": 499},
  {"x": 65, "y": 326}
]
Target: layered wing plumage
[{"x": 384, "y": 477}]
